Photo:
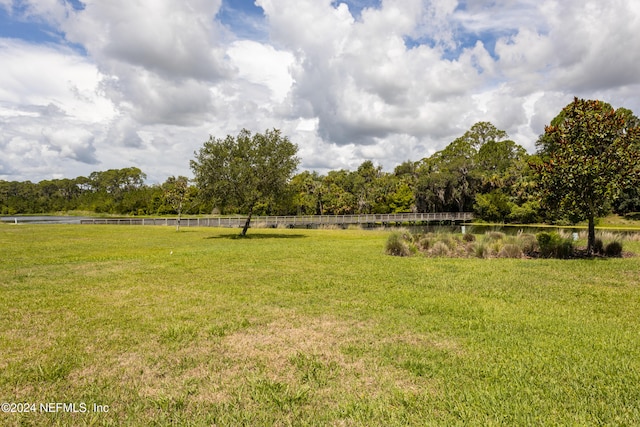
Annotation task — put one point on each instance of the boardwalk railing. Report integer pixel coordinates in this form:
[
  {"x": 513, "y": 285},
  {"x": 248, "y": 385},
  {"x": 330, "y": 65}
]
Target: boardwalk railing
[{"x": 309, "y": 221}]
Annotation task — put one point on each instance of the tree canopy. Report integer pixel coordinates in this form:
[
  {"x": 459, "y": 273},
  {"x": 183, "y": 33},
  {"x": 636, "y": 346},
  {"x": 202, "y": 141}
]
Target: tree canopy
[
  {"x": 245, "y": 170},
  {"x": 587, "y": 155},
  {"x": 176, "y": 193},
  {"x": 586, "y": 164},
  {"x": 480, "y": 161}
]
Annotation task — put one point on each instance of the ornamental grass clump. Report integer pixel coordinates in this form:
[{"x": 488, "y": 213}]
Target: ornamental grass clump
[
  {"x": 426, "y": 241},
  {"x": 440, "y": 249},
  {"x": 481, "y": 250},
  {"x": 494, "y": 236},
  {"x": 510, "y": 250},
  {"x": 397, "y": 245},
  {"x": 495, "y": 244},
  {"x": 613, "y": 249},
  {"x": 528, "y": 243},
  {"x": 468, "y": 237}
]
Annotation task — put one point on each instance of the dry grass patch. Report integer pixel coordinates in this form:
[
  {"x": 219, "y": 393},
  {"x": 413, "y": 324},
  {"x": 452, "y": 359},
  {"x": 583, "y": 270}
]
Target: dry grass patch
[{"x": 308, "y": 352}]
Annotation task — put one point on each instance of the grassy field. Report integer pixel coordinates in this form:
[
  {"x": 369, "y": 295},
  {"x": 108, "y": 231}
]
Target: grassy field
[{"x": 307, "y": 327}]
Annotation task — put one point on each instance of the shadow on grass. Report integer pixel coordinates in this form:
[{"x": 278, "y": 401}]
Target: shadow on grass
[{"x": 257, "y": 236}]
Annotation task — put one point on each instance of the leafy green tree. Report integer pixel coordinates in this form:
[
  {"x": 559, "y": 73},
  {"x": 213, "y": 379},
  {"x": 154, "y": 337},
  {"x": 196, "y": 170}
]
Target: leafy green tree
[
  {"x": 176, "y": 193},
  {"x": 494, "y": 206},
  {"x": 588, "y": 154},
  {"x": 116, "y": 190},
  {"x": 19, "y": 197},
  {"x": 450, "y": 179},
  {"x": 482, "y": 161},
  {"x": 500, "y": 163},
  {"x": 628, "y": 202},
  {"x": 117, "y": 181},
  {"x": 245, "y": 170},
  {"x": 307, "y": 192},
  {"x": 337, "y": 193},
  {"x": 402, "y": 199},
  {"x": 366, "y": 186}
]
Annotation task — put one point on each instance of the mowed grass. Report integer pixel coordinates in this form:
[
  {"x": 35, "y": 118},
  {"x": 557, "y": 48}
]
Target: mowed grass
[{"x": 308, "y": 327}]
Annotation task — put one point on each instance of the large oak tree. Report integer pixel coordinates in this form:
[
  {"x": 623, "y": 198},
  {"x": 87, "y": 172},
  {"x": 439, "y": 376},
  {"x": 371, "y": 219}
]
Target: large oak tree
[{"x": 244, "y": 170}]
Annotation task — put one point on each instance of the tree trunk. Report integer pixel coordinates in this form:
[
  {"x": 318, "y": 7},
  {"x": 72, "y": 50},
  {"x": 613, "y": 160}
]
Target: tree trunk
[
  {"x": 591, "y": 240},
  {"x": 179, "y": 215},
  {"x": 246, "y": 224}
]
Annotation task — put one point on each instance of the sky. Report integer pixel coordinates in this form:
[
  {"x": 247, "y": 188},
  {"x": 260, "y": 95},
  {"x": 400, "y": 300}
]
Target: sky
[{"x": 91, "y": 85}]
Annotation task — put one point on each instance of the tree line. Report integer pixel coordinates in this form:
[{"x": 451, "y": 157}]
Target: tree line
[{"x": 481, "y": 171}]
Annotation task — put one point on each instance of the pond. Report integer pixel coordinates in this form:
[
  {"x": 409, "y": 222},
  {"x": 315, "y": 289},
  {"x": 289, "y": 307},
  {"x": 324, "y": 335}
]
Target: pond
[
  {"x": 42, "y": 219},
  {"x": 510, "y": 230}
]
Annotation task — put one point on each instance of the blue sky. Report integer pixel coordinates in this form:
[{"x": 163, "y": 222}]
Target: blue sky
[
  {"x": 99, "y": 85},
  {"x": 14, "y": 25},
  {"x": 244, "y": 18}
]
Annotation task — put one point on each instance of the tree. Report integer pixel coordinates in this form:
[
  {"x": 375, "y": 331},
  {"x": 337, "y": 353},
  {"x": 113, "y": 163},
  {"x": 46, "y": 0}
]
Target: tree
[
  {"x": 365, "y": 186},
  {"x": 450, "y": 178},
  {"x": 494, "y": 206},
  {"x": 176, "y": 193},
  {"x": 307, "y": 193},
  {"x": 245, "y": 170},
  {"x": 588, "y": 154},
  {"x": 337, "y": 193}
]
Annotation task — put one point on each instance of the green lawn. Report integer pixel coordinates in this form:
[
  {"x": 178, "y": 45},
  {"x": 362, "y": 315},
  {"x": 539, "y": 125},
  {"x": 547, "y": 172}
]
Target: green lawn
[{"x": 308, "y": 327}]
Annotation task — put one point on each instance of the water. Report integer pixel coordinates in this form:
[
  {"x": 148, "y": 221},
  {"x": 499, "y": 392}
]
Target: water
[
  {"x": 509, "y": 230},
  {"x": 42, "y": 219}
]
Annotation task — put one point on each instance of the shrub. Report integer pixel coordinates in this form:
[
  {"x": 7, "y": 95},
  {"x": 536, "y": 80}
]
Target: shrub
[
  {"x": 553, "y": 246},
  {"x": 510, "y": 250},
  {"x": 564, "y": 250},
  {"x": 613, "y": 249},
  {"x": 544, "y": 239},
  {"x": 598, "y": 247},
  {"x": 396, "y": 245}
]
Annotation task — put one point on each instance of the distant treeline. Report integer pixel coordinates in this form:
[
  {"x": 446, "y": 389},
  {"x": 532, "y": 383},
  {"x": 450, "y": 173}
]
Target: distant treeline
[{"x": 482, "y": 171}]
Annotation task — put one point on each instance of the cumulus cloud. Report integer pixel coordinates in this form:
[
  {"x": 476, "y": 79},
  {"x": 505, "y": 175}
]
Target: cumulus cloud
[
  {"x": 159, "y": 57},
  {"x": 361, "y": 79},
  {"x": 263, "y": 65},
  {"x": 174, "y": 40},
  {"x": 347, "y": 80},
  {"x": 76, "y": 144},
  {"x": 49, "y": 110}
]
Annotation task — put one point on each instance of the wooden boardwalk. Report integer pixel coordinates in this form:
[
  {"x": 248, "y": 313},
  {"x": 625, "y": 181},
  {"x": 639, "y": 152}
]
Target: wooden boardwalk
[{"x": 306, "y": 221}]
